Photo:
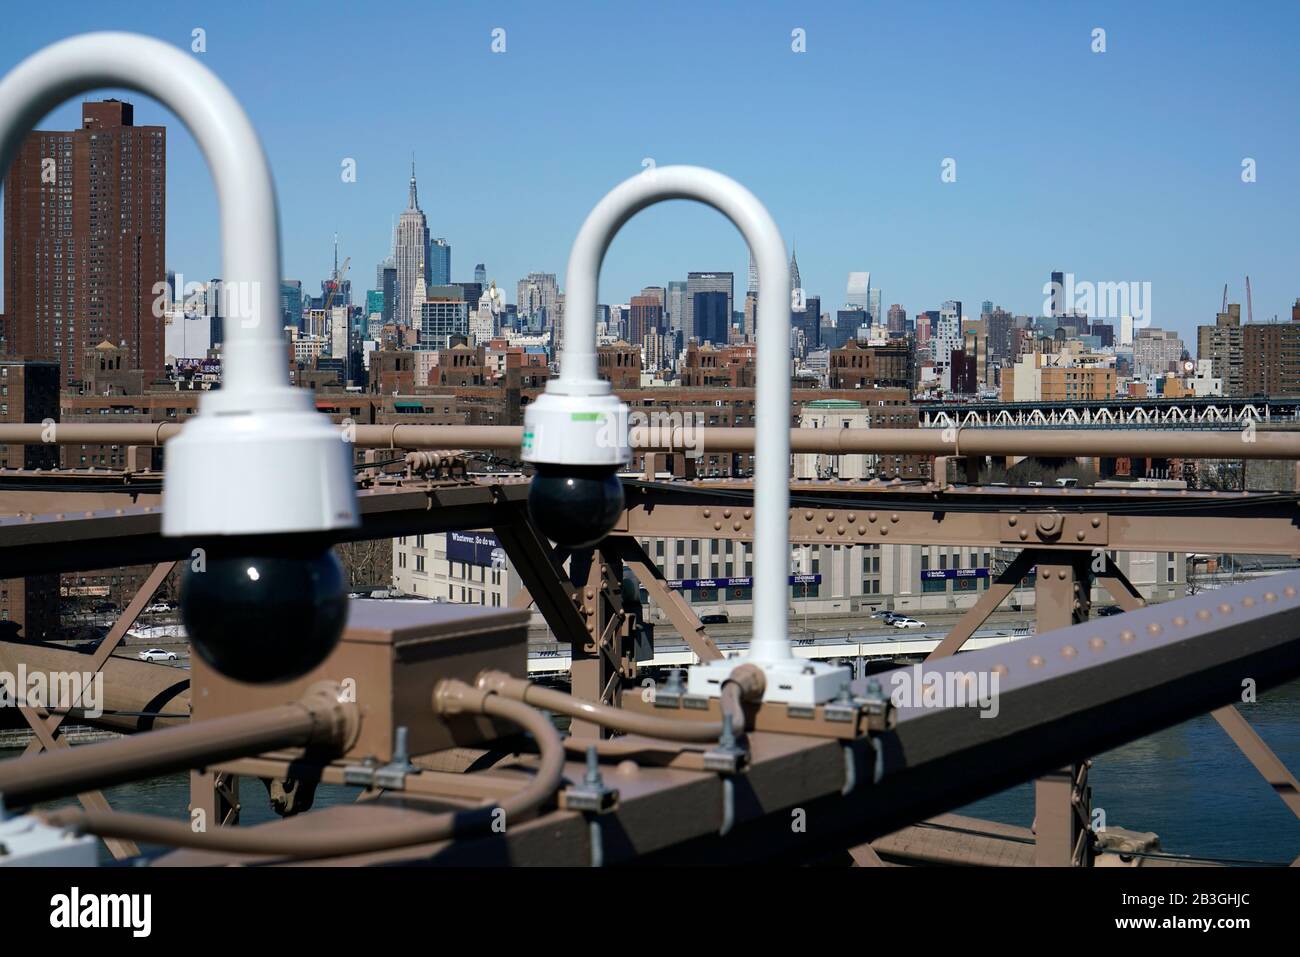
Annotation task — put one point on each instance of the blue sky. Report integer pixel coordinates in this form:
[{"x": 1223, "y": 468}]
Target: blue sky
[{"x": 1117, "y": 166}]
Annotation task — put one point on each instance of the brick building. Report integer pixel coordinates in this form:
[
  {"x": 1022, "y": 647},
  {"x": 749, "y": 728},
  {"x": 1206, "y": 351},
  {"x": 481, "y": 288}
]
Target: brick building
[{"x": 85, "y": 241}]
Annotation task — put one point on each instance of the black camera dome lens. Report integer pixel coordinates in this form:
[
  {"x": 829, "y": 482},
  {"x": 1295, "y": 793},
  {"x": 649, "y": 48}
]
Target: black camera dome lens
[
  {"x": 575, "y": 505},
  {"x": 265, "y": 614}
]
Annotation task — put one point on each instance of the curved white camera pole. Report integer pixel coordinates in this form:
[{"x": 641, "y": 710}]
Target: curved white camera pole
[
  {"x": 789, "y": 679},
  {"x": 257, "y": 459}
]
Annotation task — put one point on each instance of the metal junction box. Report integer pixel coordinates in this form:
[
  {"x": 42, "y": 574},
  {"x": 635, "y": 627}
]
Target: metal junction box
[{"x": 391, "y": 655}]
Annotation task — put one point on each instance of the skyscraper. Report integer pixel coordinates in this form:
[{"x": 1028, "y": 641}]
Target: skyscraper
[
  {"x": 796, "y": 282},
  {"x": 897, "y": 321},
  {"x": 711, "y": 316},
  {"x": 855, "y": 293},
  {"x": 291, "y": 303},
  {"x": 480, "y": 275},
  {"x": 874, "y": 307},
  {"x": 698, "y": 282},
  {"x": 537, "y": 294},
  {"x": 411, "y": 253},
  {"x": 85, "y": 241},
  {"x": 676, "y": 307},
  {"x": 386, "y": 283},
  {"x": 1058, "y": 294},
  {"x": 753, "y": 274},
  {"x": 439, "y": 262}
]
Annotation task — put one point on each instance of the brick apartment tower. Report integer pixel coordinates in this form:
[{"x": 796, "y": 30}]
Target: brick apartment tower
[{"x": 85, "y": 241}]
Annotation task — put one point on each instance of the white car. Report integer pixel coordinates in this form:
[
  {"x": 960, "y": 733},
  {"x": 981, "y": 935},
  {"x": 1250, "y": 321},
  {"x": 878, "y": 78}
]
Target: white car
[
  {"x": 157, "y": 654},
  {"x": 158, "y": 608},
  {"x": 907, "y": 623}
]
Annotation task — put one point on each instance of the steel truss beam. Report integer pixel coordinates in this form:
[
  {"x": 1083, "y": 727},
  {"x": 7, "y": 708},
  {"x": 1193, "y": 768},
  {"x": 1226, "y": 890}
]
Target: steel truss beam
[{"x": 1083, "y": 689}]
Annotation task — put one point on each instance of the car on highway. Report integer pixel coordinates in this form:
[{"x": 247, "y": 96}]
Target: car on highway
[
  {"x": 721, "y": 618},
  {"x": 156, "y": 654},
  {"x": 907, "y": 623},
  {"x": 1105, "y": 611},
  {"x": 159, "y": 608}
]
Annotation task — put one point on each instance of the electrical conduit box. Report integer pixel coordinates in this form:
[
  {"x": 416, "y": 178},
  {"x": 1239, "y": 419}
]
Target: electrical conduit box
[{"x": 390, "y": 657}]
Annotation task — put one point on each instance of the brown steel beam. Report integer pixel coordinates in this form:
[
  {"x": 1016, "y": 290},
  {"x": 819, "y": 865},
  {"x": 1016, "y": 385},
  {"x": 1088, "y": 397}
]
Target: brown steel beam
[
  {"x": 977, "y": 614},
  {"x": 543, "y": 576},
  {"x": 1083, "y": 689},
  {"x": 1119, "y": 587},
  {"x": 1259, "y": 754},
  {"x": 91, "y": 800},
  {"x": 114, "y": 638},
  {"x": 956, "y": 442},
  {"x": 1062, "y": 800},
  {"x": 678, "y": 610},
  {"x": 1246, "y": 738}
]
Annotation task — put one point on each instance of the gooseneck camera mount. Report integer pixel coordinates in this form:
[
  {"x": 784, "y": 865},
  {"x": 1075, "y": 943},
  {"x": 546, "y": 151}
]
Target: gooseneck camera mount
[
  {"x": 258, "y": 479},
  {"x": 576, "y": 431}
]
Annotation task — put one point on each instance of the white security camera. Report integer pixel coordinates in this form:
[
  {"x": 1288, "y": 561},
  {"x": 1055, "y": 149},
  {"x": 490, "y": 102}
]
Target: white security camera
[{"x": 258, "y": 480}]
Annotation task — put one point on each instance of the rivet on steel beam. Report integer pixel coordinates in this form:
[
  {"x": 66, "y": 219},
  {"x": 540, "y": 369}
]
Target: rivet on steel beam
[
  {"x": 708, "y": 513},
  {"x": 871, "y": 516},
  {"x": 1203, "y": 614},
  {"x": 1024, "y": 535},
  {"x": 1288, "y": 591},
  {"x": 735, "y": 526},
  {"x": 1096, "y": 644},
  {"x": 1036, "y": 661},
  {"x": 1067, "y": 651},
  {"x": 590, "y": 594},
  {"x": 717, "y": 526},
  {"x": 883, "y": 530},
  {"x": 1012, "y": 521},
  {"x": 820, "y": 528},
  {"x": 749, "y": 513},
  {"x": 1079, "y": 535},
  {"x": 1179, "y": 621},
  {"x": 1096, "y": 522},
  {"x": 1000, "y": 669},
  {"x": 894, "y": 517},
  {"x": 850, "y": 518},
  {"x": 1270, "y": 596},
  {"x": 1127, "y": 635},
  {"x": 1248, "y": 602},
  {"x": 1061, "y": 574},
  {"x": 1225, "y": 608},
  {"x": 840, "y": 530},
  {"x": 807, "y": 516},
  {"x": 862, "y": 529},
  {"x": 1155, "y": 628}
]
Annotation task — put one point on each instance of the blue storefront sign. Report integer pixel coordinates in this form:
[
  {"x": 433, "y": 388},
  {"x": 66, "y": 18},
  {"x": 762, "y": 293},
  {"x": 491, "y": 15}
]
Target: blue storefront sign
[
  {"x": 684, "y": 584},
  {"x": 936, "y": 573}
]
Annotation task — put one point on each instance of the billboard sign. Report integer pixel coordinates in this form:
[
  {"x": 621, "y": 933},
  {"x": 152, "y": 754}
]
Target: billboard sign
[{"x": 475, "y": 548}]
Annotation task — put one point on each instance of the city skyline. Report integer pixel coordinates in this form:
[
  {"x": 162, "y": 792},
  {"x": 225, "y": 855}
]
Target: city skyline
[{"x": 1122, "y": 166}]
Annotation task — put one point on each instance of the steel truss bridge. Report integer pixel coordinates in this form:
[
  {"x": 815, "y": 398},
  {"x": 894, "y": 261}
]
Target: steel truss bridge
[
  {"x": 1183, "y": 413},
  {"x": 870, "y": 776}
]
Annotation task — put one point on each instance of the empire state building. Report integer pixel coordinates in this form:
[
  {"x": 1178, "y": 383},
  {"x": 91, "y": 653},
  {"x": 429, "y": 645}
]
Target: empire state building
[{"x": 411, "y": 252}]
